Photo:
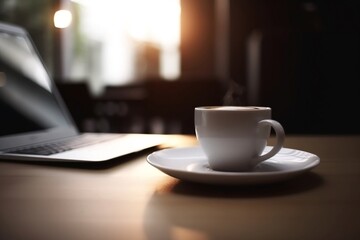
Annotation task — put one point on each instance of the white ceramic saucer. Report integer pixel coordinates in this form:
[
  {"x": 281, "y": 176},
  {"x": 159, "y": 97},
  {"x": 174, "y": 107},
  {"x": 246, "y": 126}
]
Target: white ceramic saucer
[{"x": 190, "y": 164}]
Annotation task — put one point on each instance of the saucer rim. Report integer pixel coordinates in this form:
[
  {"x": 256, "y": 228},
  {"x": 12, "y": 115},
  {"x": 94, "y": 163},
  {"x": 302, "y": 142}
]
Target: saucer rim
[{"x": 223, "y": 177}]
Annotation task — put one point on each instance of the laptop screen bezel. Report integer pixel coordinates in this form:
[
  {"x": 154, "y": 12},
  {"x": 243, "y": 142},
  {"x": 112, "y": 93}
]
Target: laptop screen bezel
[{"x": 23, "y": 139}]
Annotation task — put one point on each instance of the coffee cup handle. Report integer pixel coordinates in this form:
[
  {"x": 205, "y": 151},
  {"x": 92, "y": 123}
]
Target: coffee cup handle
[{"x": 280, "y": 138}]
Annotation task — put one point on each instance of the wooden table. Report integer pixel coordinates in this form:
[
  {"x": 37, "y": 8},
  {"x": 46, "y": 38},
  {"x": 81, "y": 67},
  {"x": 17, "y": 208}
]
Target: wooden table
[{"x": 129, "y": 199}]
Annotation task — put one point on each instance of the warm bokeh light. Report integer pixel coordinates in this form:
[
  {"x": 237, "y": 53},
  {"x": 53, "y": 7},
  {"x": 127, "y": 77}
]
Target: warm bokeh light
[
  {"x": 156, "y": 21},
  {"x": 62, "y": 18},
  {"x": 127, "y": 40}
]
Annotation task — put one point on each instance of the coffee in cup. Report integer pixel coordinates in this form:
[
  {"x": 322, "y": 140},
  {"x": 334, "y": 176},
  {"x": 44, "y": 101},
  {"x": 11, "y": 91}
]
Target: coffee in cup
[{"x": 234, "y": 137}]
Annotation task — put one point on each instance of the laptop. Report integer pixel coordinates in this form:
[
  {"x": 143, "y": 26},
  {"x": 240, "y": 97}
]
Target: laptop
[{"x": 34, "y": 121}]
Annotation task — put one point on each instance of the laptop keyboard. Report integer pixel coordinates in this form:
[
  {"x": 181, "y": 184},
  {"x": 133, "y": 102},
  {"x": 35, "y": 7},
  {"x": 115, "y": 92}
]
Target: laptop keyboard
[{"x": 63, "y": 145}]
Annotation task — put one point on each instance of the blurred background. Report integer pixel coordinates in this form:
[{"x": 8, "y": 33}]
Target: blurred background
[{"x": 143, "y": 65}]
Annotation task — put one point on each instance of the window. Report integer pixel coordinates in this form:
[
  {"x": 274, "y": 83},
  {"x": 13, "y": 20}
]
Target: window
[{"x": 118, "y": 42}]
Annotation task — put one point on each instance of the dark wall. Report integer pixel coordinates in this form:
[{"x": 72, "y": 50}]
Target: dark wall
[{"x": 309, "y": 61}]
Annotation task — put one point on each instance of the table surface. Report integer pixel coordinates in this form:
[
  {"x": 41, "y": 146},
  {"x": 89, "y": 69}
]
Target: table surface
[{"x": 129, "y": 199}]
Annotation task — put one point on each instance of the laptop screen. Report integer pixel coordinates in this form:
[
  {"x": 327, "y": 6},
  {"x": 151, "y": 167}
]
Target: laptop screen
[{"x": 29, "y": 104}]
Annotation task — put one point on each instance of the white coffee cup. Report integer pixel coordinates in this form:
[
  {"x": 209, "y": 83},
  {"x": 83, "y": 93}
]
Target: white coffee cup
[{"x": 234, "y": 137}]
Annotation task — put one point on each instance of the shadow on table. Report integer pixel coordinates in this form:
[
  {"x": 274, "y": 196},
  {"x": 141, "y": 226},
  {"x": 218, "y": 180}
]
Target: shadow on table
[
  {"x": 183, "y": 209},
  {"x": 305, "y": 182}
]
